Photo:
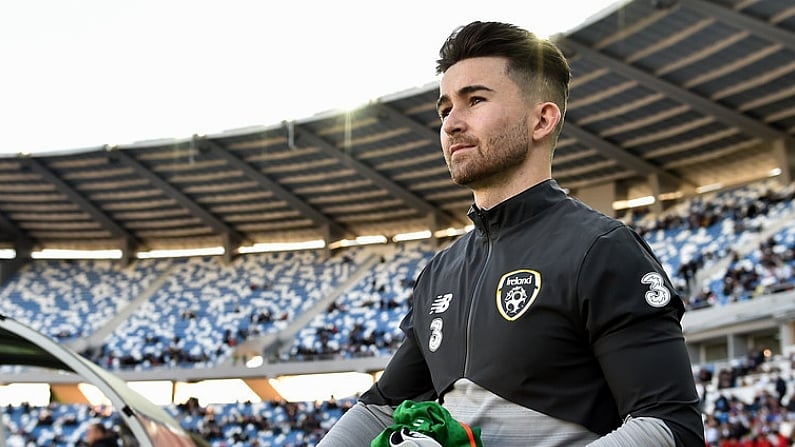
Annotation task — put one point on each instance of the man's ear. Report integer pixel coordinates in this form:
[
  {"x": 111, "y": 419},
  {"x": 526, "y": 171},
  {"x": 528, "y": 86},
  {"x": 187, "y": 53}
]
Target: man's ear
[{"x": 547, "y": 116}]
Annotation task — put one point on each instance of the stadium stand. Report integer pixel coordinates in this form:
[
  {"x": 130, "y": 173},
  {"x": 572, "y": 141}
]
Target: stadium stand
[
  {"x": 57, "y": 425},
  {"x": 698, "y": 236},
  {"x": 700, "y": 233},
  {"x": 197, "y": 291},
  {"x": 200, "y": 309},
  {"x": 72, "y": 299},
  {"x": 766, "y": 270},
  {"x": 272, "y": 423},
  {"x": 204, "y": 309},
  {"x": 749, "y": 401},
  {"x": 364, "y": 320}
]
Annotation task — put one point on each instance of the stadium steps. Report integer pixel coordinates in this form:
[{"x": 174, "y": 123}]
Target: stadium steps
[
  {"x": 706, "y": 275},
  {"x": 97, "y": 338},
  {"x": 273, "y": 344}
]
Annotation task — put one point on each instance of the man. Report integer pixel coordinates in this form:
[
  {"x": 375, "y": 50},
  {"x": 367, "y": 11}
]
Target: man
[
  {"x": 97, "y": 435},
  {"x": 550, "y": 324}
]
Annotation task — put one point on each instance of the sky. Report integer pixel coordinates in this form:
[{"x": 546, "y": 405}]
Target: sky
[{"x": 79, "y": 74}]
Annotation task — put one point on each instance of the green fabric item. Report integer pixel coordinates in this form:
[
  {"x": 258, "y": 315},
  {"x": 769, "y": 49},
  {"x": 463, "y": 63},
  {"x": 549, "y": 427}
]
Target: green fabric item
[{"x": 431, "y": 419}]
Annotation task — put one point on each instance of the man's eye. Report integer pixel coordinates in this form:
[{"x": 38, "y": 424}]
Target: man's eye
[
  {"x": 443, "y": 113},
  {"x": 475, "y": 99}
]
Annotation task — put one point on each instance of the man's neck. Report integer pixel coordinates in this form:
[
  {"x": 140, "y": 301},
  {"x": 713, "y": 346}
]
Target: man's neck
[
  {"x": 490, "y": 196},
  {"x": 536, "y": 168}
]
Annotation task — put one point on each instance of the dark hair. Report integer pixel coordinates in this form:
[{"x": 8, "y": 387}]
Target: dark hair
[{"x": 535, "y": 64}]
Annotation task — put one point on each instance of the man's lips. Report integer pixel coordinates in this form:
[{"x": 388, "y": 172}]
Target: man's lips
[{"x": 459, "y": 147}]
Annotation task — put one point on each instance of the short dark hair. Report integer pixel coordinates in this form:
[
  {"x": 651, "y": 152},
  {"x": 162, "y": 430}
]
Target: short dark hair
[{"x": 534, "y": 63}]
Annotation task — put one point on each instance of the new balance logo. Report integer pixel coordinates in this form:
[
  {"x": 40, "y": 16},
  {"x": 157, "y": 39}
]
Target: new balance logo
[{"x": 441, "y": 303}]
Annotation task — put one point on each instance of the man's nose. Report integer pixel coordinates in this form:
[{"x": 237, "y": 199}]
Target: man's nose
[{"x": 453, "y": 123}]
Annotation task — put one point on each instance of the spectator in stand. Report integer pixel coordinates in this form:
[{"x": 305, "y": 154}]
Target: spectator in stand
[
  {"x": 705, "y": 298},
  {"x": 781, "y": 388},
  {"x": 97, "y": 435}
]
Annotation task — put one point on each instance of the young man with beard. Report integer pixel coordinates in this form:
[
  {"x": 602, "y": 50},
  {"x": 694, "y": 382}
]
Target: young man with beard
[{"x": 550, "y": 324}]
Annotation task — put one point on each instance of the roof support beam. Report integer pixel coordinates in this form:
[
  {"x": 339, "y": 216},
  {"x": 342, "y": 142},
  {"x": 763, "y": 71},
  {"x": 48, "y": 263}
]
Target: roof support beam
[
  {"x": 390, "y": 113},
  {"x": 742, "y": 21},
  {"x": 89, "y": 208},
  {"x": 623, "y": 157},
  {"x": 9, "y": 228},
  {"x": 699, "y": 103},
  {"x": 265, "y": 182},
  {"x": 394, "y": 116},
  {"x": 376, "y": 177},
  {"x": 23, "y": 245},
  {"x": 230, "y": 237}
]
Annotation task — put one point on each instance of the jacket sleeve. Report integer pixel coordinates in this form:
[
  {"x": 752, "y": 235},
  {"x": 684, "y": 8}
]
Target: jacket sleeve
[
  {"x": 358, "y": 426},
  {"x": 632, "y": 315},
  {"x": 406, "y": 376}
]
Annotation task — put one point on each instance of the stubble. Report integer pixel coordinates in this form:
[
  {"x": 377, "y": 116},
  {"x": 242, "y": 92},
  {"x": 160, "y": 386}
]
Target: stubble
[{"x": 494, "y": 158}]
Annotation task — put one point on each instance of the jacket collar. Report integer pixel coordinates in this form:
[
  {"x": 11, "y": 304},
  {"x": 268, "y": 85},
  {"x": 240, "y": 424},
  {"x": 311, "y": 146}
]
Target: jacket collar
[{"x": 518, "y": 208}]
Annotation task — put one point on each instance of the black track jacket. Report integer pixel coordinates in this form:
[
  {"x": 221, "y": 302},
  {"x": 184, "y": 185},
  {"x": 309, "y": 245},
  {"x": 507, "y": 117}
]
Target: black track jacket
[{"x": 553, "y": 306}]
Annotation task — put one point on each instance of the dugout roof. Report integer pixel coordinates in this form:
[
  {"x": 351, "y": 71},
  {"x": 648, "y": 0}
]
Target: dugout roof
[
  {"x": 684, "y": 93},
  {"x": 151, "y": 425}
]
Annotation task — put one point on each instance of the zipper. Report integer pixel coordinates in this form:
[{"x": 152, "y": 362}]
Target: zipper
[{"x": 475, "y": 294}]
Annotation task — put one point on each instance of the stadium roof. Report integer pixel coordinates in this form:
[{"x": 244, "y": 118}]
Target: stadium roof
[{"x": 685, "y": 93}]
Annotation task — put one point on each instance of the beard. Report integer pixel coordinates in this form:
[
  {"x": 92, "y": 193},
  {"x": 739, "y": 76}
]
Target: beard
[{"x": 495, "y": 156}]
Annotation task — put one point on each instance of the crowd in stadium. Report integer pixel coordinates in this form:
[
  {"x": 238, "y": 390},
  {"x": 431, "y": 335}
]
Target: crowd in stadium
[
  {"x": 749, "y": 403},
  {"x": 363, "y": 321},
  {"x": 769, "y": 269}
]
